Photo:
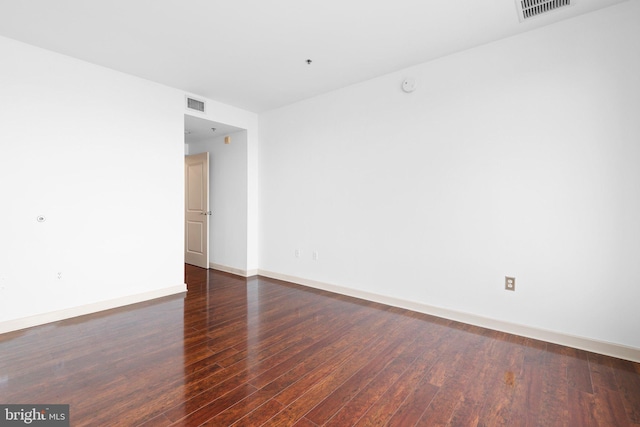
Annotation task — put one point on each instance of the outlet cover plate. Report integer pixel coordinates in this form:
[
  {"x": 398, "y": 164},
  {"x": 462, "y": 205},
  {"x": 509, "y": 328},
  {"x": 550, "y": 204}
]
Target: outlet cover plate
[{"x": 510, "y": 283}]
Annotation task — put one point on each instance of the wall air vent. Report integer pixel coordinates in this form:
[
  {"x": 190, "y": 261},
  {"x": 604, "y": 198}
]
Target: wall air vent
[
  {"x": 530, "y": 8},
  {"x": 195, "y": 104}
]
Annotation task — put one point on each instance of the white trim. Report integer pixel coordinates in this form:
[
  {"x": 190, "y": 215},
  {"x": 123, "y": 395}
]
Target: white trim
[
  {"x": 54, "y": 316},
  {"x": 233, "y": 270},
  {"x": 588, "y": 344}
]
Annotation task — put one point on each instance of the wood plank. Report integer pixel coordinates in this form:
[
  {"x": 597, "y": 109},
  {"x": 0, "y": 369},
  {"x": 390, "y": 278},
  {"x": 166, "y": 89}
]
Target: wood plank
[
  {"x": 352, "y": 411},
  {"x": 387, "y": 405},
  {"x": 628, "y": 379}
]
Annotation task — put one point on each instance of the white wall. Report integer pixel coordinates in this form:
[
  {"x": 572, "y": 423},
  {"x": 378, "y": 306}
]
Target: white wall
[
  {"x": 515, "y": 158},
  {"x": 227, "y": 199},
  {"x": 100, "y": 155}
]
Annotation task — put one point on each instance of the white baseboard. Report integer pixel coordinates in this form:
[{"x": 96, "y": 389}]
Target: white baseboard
[
  {"x": 54, "y": 316},
  {"x": 233, "y": 270},
  {"x": 588, "y": 344}
]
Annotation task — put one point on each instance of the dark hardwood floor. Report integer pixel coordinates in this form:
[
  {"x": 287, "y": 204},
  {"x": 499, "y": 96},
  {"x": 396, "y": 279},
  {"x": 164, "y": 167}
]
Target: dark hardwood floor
[{"x": 258, "y": 351}]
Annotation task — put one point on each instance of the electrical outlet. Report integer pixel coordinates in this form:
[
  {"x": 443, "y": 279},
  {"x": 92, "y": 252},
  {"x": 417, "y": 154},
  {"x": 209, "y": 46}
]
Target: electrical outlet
[
  {"x": 315, "y": 255},
  {"x": 510, "y": 283},
  {"x": 297, "y": 253},
  {"x": 59, "y": 275}
]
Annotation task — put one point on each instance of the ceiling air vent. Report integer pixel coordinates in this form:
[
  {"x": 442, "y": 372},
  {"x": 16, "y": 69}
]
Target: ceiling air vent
[
  {"x": 529, "y": 8},
  {"x": 195, "y": 104}
]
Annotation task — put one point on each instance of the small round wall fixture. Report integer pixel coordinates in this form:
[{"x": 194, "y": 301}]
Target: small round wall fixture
[{"x": 409, "y": 85}]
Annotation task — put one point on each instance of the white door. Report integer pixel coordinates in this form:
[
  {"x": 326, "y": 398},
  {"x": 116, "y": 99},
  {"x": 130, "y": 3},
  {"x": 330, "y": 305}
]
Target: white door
[{"x": 196, "y": 210}]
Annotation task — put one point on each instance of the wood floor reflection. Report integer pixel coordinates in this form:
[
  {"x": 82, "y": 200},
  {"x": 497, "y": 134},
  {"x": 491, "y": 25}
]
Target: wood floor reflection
[{"x": 259, "y": 351}]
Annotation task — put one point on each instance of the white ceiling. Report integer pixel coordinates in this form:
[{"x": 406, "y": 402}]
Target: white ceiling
[
  {"x": 197, "y": 129},
  {"x": 252, "y": 53}
]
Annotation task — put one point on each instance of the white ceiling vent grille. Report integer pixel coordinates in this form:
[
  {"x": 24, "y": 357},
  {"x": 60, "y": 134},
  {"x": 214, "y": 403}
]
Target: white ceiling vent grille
[
  {"x": 529, "y": 8},
  {"x": 195, "y": 104}
]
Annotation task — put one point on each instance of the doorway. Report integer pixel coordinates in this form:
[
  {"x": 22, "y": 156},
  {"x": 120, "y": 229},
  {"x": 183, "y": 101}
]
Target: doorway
[{"x": 227, "y": 193}]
